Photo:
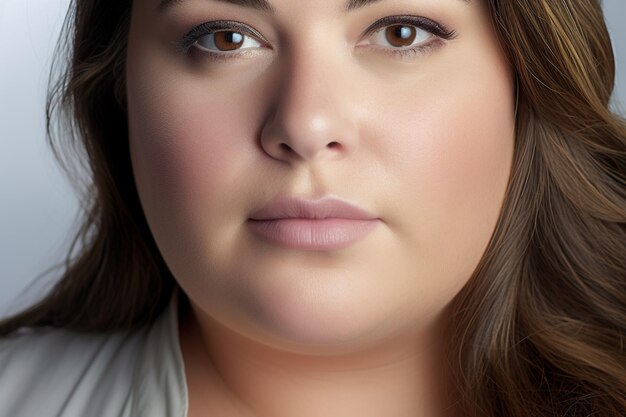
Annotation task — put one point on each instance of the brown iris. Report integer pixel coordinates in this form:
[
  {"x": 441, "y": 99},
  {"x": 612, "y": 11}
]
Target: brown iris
[
  {"x": 400, "y": 35},
  {"x": 227, "y": 40}
]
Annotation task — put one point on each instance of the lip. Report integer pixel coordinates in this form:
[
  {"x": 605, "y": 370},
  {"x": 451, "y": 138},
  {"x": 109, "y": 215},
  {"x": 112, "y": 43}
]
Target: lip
[
  {"x": 329, "y": 223},
  {"x": 323, "y": 208}
]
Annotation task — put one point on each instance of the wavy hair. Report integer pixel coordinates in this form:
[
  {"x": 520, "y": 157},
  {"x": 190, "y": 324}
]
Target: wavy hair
[{"x": 539, "y": 330}]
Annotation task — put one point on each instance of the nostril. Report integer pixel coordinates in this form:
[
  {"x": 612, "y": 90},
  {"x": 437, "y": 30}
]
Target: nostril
[{"x": 286, "y": 150}]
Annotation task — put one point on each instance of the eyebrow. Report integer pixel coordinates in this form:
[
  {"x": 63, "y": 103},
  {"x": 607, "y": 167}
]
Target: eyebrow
[{"x": 264, "y": 5}]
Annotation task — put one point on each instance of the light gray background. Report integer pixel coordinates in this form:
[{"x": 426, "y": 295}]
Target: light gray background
[{"x": 38, "y": 208}]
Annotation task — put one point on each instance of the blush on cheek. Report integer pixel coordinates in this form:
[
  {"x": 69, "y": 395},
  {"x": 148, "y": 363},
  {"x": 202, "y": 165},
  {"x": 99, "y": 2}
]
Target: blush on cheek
[
  {"x": 463, "y": 147},
  {"x": 185, "y": 158},
  {"x": 475, "y": 168},
  {"x": 184, "y": 135}
]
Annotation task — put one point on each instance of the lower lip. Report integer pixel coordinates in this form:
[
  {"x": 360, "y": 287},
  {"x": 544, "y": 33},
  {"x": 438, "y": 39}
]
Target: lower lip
[{"x": 313, "y": 234}]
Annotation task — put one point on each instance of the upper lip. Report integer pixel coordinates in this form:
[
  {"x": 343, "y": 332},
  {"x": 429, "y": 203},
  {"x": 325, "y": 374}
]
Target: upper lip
[{"x": 324, "y": 208}]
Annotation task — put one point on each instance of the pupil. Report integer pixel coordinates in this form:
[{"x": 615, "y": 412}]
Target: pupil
[
  {"x": 228, "y": 41},
  {"x": 234, "y": 37},
  {"x": 399, "y": 35},
  {"x": 404, "y": 32}
]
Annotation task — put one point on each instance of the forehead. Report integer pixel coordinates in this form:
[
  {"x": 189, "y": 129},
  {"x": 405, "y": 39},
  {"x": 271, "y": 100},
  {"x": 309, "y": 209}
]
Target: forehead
[{"x": 266, "y": 5}]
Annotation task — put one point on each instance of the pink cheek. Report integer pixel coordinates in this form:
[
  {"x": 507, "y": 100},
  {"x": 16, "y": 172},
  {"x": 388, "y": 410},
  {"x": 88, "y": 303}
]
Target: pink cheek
[
  {"x": 451, "y": 161},
  {"x": 184, "y": 155},
  {"x": 467, "y": 146}
]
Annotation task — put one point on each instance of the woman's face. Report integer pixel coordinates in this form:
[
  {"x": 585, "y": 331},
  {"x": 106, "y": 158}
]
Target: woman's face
[{"x": 305, "y": 104}]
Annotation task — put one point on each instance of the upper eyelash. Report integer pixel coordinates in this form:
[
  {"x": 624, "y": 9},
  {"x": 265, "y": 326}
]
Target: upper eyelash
[{"x": 189, "y": 39}]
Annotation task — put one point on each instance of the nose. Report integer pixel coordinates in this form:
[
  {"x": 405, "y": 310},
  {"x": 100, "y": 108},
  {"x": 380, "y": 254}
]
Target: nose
[{"x": 312, "y": 115}]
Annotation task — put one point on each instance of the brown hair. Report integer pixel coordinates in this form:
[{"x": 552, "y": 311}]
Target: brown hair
[{"x": 540, "y": 328}]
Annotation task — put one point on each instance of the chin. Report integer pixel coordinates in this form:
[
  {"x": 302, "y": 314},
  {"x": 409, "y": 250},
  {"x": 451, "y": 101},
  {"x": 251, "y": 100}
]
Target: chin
[{"x": 313, "y": 313}]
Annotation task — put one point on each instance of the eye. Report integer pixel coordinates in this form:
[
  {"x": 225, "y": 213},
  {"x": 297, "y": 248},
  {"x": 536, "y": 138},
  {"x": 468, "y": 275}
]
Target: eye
[
  {"x": 399, "y": 36},
  {"x": 221, "y": 39},
  {"x": 407, "y": 35},
  {"x": 226, "y": 40}
]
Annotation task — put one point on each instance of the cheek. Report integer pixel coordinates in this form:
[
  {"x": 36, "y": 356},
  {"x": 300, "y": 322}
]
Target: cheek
[
  {"x": 470, "y": 173},
  {"x": 178, "y": 160},
  {"x": 188, "y": 148},
  {"x": 468, "y": 150},
  {"x": 451, "y": 164}
]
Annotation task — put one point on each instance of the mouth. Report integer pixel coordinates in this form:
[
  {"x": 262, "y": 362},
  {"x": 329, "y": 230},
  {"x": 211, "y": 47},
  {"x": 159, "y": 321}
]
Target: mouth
[{"x": 326, "y": 224}]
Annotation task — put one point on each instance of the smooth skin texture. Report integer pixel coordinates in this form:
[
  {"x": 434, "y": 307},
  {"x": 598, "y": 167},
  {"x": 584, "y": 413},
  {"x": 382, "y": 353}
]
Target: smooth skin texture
[{"x": 319, "y": 107}]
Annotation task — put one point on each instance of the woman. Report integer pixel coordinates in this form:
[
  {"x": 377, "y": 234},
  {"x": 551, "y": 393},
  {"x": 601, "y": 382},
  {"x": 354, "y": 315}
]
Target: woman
[{"x": 325, "y": 208}]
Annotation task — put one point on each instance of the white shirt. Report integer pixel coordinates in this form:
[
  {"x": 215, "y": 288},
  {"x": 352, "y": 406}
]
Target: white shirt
[{"x": 54, "y": 373}]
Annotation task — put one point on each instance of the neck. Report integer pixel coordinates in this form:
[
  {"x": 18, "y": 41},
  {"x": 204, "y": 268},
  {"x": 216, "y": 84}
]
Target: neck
[{"x": 225, "y": 370}]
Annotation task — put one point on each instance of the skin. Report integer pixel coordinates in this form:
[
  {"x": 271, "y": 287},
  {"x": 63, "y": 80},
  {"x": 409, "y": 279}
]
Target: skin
[{"x": 424, "y": 142}]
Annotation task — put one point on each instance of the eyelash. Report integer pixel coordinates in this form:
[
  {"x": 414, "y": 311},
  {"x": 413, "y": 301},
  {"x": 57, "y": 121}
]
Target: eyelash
[{"x": 187, "y": 42}]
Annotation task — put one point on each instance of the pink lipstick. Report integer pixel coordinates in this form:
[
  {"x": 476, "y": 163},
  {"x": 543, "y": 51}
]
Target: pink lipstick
[{"x": 326, "y": 224}]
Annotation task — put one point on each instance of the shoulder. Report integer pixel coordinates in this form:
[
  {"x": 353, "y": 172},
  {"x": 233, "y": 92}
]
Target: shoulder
[
  {"x": 61, "y": 373},
  {"x": 56, "y": 372}
]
